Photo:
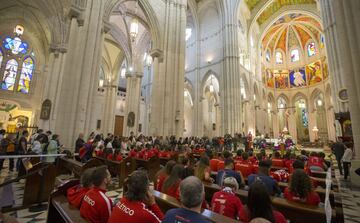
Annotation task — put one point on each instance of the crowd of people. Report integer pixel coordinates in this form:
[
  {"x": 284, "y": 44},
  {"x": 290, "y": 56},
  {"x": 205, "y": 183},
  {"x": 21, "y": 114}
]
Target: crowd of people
[{"x": 229, "y": 162}]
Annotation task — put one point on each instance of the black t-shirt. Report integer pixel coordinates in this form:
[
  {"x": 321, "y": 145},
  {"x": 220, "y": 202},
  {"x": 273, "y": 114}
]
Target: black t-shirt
[
  {"x": 20, "y": 148},
  {"x": 78, "y": 144}
]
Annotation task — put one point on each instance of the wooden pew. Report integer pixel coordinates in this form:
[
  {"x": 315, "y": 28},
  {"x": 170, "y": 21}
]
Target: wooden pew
[
  {"x": 166, "y": 203},
  {"x": 59, "y": 210},
  {"x": 164, "y": 160},
  {"x": 152, "y": 165},
  {"x": 68, "y": 166},
  {"x": 121, "y": 169},
  {"x": 293, "y": 211},
  {"x": 39, "y": 183}
]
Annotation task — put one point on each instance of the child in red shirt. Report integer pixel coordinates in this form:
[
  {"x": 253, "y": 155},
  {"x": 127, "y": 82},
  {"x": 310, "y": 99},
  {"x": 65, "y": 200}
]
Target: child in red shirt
[
  {"x": 96, "y": 206},
  {"x": 245, "y": 166},
  {"x": 225, "y": 202},
  {"x": 300, "y": 189},
  {"x": 162, "y": 174},
  {"x": 76, "y": 193},
  {"x": 138, "y": 204}
]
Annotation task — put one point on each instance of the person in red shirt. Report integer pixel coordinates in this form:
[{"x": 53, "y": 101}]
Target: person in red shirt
[
  {"x": 76, "y": 193},
  {"x": 96, "y": 206},
  {"x": 277, "y": 161},
  {"x": 259, "y": 206},
  {"x": 238, "y": 156},
  {"x": 172, "y": 182},
  {"x": 138, "y": 204},
  {"x": 225, "y": 202},
  {"x": 133, "y": 152},
  {"x": 245, "y": 166},
  {"x": 162, "y": 174},
  {"x": 117, "y": 155},
  {"x": 315, "y": 162},
  {"x": 300, "y": 189}
]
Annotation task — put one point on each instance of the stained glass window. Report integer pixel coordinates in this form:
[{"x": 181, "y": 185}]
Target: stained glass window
[
  {"x": 8, "y": 81},
  {"x": 311, "y": 49},
  {"x": 295, "y": 55},
  {"x": 26, "y": 75},
  {"x": 1, "y": 57},
  {"x": 279, "y": 58},
  {"x": 322, "y": 41},
  {"x": 267, "y": 56},
  {"x": 16, "y": 45}
]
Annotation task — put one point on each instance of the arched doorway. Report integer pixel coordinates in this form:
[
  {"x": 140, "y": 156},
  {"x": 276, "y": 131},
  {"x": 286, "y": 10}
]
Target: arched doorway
[{"x": 211, "y": 108}]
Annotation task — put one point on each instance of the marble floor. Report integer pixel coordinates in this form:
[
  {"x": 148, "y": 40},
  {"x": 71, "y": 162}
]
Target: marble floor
[{"x": 350, "y": 197}]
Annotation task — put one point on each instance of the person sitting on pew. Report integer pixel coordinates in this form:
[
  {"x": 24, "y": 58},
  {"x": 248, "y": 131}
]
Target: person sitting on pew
[
  {"x": 277, "y": 160},
  {"x": 76, "y": 193},
  {"x": 300, "y": 189},
  {"x": 245, "y": 166},
  {"x": 263, "y": 176},
  {"x": 162, "y": 174},
  {"x": 117, "y": 155},
  {"x": 172, "y": 182},
  {"x": 133, "y": 151},
  {"x": 315, "y": 162},
  {"x": 188, "y": 168},
  {"x": 229, "y": 172},
  {"x": 96, "y": 206},
  {"x": 138, "y": 204},
  {"x": 259, "y": 205},
  {"x": 225, "y": 202},
  {"x": 191, "y": 196},
  {"x": 238, "y": 156},
  {"x": 202, "y": 170}
]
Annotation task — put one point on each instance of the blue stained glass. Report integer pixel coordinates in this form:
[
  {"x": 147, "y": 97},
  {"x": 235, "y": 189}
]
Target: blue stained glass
[
  {"x": 305, "y": 119},
  {"x": 26, "y": 75},
  {"x": 9, "y": 78},
  {"x": 16, "y": 45}
]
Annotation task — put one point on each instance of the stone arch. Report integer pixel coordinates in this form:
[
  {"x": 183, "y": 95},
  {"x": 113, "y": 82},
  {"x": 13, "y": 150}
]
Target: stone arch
[{"x": 297, "y": 96}]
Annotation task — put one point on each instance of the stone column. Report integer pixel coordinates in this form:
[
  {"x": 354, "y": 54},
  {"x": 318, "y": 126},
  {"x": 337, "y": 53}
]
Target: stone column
[
  {"x": 312, "y": 124},
  {"x": 276, "y": 124},
  {"x": 132, "y": 102},
  {"x": 347, "y": 36},
  {"x": 330, "y": 118},
  {"x": 167, "y": 109},
  {"x": 230, "y": 83},
  {"x": 109, "y": 110},
  {"x": 292, "y": 124}
]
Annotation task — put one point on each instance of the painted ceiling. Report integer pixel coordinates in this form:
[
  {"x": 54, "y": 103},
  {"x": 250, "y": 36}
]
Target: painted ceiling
[
  {"x": 275, "y": 6},
  {"x": 291, "y": 30}
]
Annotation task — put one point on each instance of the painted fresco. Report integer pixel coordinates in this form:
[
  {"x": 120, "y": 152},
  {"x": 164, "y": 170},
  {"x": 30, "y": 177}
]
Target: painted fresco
[
  {"x": 269, "y": 78},
  {"x": 313, "y": 72},
  {"x": 297, "y": 78},
  {"x": 325, "y": 68},
  {"x": 281, "y": 79}
]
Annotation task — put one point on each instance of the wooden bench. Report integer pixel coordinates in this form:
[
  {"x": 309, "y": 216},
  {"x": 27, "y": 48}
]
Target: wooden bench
[
  {"x": 59, "y": 210},
  {"x": 164, "y": 160},
  {"x": 121, "y": 169},
  {"x": 167, "y": 202},
  {"x": 293, "y": 211},
  {"x": 68, "y": 166},
  {"x": 152, "y": 165}
]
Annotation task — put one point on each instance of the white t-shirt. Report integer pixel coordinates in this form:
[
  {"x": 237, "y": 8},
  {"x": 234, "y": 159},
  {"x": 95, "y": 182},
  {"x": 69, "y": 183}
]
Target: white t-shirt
[{"x": 347, "y": 155}]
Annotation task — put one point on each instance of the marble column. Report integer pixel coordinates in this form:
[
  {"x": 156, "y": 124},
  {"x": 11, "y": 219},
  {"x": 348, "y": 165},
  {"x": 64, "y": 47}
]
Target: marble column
[
  {"x": 276, "y": 124},
  {"x": 132, "y": 102},
  {"x": 347, "y": 36},
  {"x": 230, "y": 83},
  {"x": 292, "y": 124},
  {"x": 312, "y": 124},
  {"x": 167, "y": 106},
  {"x": 110, "y": 106}
]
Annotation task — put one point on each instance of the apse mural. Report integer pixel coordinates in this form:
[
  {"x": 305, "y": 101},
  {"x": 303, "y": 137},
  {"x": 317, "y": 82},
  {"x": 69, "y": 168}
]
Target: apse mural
[
  {"x": 297, "y": 78},
  {"x": 269, "y": 78},
  {"x": 313, "y": 72},
  {"x": 281, "y": 79}
]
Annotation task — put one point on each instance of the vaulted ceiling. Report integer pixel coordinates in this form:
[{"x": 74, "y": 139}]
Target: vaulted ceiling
[{"x": 292, "y": 30}]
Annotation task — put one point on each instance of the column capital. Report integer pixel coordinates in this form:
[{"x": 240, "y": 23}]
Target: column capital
[
  {"x": 57, "y": 48},
  {"x": 157, "y": 53},
  {"x": 76, "y": 11},
  {"x": 129, "y": 74}
]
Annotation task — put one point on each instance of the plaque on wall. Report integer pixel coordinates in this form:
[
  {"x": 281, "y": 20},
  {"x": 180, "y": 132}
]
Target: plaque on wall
[
  {"x": 131, "y": 119},
  {"x": 343, "y": 96},
  {"x": 45, "y": 110}
]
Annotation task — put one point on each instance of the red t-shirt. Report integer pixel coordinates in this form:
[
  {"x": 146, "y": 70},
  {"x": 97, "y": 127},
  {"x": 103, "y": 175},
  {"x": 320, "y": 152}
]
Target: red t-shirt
[
  {"x": 245, "y": 167},
  {"x": 238, "y": 159},
  {"x": 315, "y": 161},
  {"x": 99, "y": 153},
  {"x": 226, "y": 203},
  {"x": 76, "y": 194},
  {"x": 110, "y": 156},
  {"x": 220, "y": 165},
  {"x": 119, "y": 158},
  {"x": 133, "y": 153},
  {"x": 174, "y": 190},
  {"x": 288, "y": 163},
  {"x": 213, "y": 164},
  {"x": 279, "y": 218},
  {"x": 165, "y": 154},
  {"x": 96, "y": 206},
  {"x": 278, "y": 162},
  {"x": 135, "y": 211},
  {"x": 312, "y": 199},
  {"x": 160, "y": 181}
]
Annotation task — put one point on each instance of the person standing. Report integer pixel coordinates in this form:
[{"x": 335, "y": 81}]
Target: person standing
[
  {"x": 338, "y": 149},
  {"x": 346, "y": 160},
  {"x": 22, "y": 147},
  {"x": 8, "y": 148},
  {"x": 78, "y": 144},
  {"x": 52, "y": 148}
]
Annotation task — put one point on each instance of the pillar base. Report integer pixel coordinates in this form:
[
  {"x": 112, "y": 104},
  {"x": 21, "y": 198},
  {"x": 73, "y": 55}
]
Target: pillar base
[{"x": 355, "y": 179}]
